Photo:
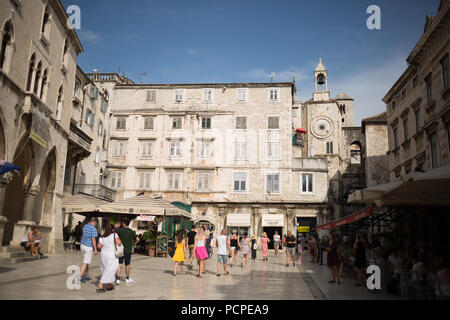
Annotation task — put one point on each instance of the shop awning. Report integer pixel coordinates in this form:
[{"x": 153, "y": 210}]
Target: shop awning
[
  {"x": 144, "y": 205},
  {"x": 370, "y": 194},
  {"x": 82, "y": 203},
  {"x": 238, "y": 220},
  {"x": 431, "y": 188},
  {"x": 364, "y": 213}
]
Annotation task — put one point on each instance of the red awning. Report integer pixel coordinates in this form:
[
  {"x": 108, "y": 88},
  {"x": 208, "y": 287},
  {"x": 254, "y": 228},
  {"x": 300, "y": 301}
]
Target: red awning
[
  {"x": 364, "y": 213},
  {"x": 301, "y": 130}
]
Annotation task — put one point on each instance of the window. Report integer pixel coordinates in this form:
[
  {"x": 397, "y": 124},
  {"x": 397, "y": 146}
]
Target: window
[
  {"x": 429, "y": 83},
  {"x": 77, "y": 87},
  {"x": 146, "y": 149},
  {"x": 395, "y": 131},
  {"x": 97, "y": 155},
  {"x": 121, "y": 123},
  {"x": 206, "y": 123},
  {"x": 144, "y": 180},
  {"x": 274, "y": 122},
  {"x": 30, "y": 71},
  {"x": 46, "y": 24},
  {"x": 204, "y": 149},
  {"x": 100, "y": 127},
  {"x": 434, "y": 150},
  {"x": 59, "y": 105},
  {"x": 174, "y": 180},
  {"x": 418, "y": 116},
  {"x": 118, "y": 148},
  {"x": 207, "y": 95},
  {"x": 274, "y": 94},
  {"x": 447, "y": 127},
  {"x": 203, "y": 181},
  {"x": 239, "y": 181},
  {"x": 415, "y": 83},
  {"x": 104, "y": 106},
  {"x": 149, "y": 123},
  {"x": 90, "y": 116},
  {"x": 37, "y": 78},
  {"x": 179, "y": 95},
  {"x": 6, "y": 48},
  {"x": 403, "y": 94},
  {"x": 240, "y": 150},
  {"x": 273, "y": 183},
  {"x": 330, "y": 147},
  {"x": 151, "y": 95},
  {"x": 116, "y": 179},
  {"x": 405, "y": 129},
  {"x": 242, "y": 94},
  {"x": 306, "y": 183},
  {"x": 241, "y": 122},
  {"x": 93, "y": 92},
  {"x": 273, "y": 150},
  {"x": 65, "y": 60},
  {"x": 44, "y": 85},
  {"x": 393, "y": 105},
  {"x": 445, "y": 71},
  {"x": 175, "y": 149},
  {"x": 177, "y": 123}
]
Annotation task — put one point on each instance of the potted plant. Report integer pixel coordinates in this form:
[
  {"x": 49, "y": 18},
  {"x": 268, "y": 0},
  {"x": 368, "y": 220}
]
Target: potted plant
[{"x": 150, "y": 240}]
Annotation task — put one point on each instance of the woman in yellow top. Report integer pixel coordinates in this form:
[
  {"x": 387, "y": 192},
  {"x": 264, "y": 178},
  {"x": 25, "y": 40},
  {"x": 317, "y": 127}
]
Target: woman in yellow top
[{"x": 179, "y": 256}]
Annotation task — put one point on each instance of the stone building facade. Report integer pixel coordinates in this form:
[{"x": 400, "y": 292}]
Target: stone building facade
[
  {"x": 38, "y": 62},
  {"x": 224, "y": 148},
  {"x": 418, "y": 105},
  {"x": 332, "y": 136}
]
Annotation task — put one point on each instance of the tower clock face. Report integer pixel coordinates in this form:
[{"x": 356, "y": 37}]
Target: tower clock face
[{"x": 322, "y": 128}]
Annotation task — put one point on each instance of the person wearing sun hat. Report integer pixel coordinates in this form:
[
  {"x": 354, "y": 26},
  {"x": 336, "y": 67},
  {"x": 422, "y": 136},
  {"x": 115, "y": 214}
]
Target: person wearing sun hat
[{"x": 265, "y": 246}]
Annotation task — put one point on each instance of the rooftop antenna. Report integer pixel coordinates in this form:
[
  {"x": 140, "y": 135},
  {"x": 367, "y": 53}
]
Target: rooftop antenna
[
  {"x": 140, "y": 75},
  {"x": 272, "y": 75}
]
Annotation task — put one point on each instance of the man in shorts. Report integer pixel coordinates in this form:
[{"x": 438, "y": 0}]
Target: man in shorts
[
  {"x": 191, "y": 245},
  {"x": 88, "y": 246},
  {"x": 291, "y": 243},
  {"x": 128, "y": 238},
  {"x": 223, "y": 245}
]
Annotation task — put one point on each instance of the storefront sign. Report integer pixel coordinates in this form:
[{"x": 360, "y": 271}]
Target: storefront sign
[
  {"x": 38, "y": 139},
  {"x": 145, "y": 218},
  {"x": 273, "y": 220},
  {"x": 238, "y": 220},
  {"x": 303, "y": 228}
]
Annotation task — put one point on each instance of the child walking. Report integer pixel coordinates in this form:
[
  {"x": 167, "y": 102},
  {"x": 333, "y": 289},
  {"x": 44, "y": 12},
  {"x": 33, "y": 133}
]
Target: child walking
[{"x": 179, "y": 256}]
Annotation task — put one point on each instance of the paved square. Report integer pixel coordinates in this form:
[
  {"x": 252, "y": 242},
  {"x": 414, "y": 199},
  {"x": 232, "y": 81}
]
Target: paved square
[{"x": 46, "y": 279}]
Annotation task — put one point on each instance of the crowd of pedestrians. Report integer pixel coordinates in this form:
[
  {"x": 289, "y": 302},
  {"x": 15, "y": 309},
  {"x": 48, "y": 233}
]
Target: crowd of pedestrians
[{"x": 115, "y": 247}]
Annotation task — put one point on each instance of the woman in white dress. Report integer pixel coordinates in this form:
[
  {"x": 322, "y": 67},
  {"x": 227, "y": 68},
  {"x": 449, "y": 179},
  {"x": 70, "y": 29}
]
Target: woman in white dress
[{"x": 108, "y": 260}]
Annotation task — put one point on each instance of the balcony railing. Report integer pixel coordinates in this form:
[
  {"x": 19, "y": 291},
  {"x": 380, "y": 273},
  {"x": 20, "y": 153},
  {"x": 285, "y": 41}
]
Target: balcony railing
[{"x": 95, "y": 190}]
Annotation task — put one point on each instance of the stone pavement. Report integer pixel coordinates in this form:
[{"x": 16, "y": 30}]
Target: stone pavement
[{"x": 46, "y": 279}]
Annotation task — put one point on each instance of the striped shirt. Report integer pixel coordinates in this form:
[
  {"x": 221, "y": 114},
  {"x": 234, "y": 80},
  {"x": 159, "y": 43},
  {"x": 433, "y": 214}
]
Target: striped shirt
[{"x": 89, "y": 232}]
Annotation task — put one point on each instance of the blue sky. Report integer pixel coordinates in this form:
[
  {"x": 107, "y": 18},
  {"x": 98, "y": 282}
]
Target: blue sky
[{"x": 193, "y": 41}]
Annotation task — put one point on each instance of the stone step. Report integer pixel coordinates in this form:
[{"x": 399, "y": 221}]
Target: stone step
[
  {"x": 12, "y": 249},
  {"x": 20, "y": 254},
  {"x": 24, "y": 259}
]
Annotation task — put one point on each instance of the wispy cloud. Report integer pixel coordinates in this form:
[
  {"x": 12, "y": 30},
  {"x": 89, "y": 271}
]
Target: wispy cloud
[
  {"x": 369, "y": 85},
  {"x": 89, "y": 36},
  {"x": 192, "y": 52}
]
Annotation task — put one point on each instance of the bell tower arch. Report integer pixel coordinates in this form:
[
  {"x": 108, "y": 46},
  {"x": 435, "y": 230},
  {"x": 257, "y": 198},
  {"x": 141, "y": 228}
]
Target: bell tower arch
[{"x": 321, "y": 83}]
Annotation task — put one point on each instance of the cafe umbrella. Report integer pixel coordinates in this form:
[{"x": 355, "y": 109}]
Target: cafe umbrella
[{"x": 7, "y": 167}]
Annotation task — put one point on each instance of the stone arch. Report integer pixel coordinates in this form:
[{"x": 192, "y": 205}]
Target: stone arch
[
  {"x": 13, "y": 206},
  {"x": 44, "y": 208},
  {"x": 355, "y": 152},
  {"x": 7, "y": 45},
  {"x": 3, "y": 148}
]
